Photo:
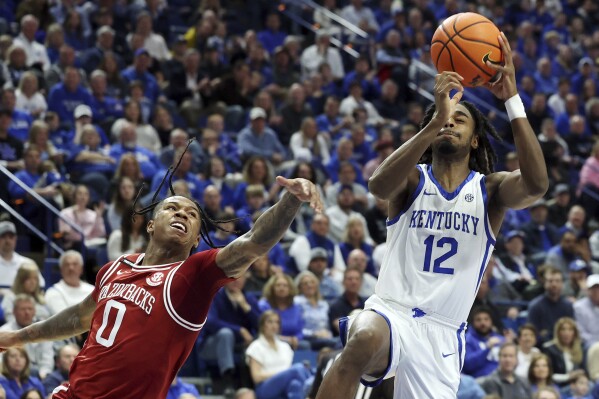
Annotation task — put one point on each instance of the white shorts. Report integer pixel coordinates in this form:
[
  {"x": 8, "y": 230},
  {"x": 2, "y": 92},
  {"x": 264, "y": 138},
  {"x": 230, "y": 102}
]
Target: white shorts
[{"x": 426, "y": 354}]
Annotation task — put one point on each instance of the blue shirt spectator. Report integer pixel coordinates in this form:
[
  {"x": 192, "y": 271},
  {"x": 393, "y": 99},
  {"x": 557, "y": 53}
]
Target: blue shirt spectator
[
  {"x": 148, "y": 162},
  {"x": 178, "y": 388},
  {"x": 482, "y": 345},
  {"x": 259, "y": 139},
  {"x": 21, "y": 122},
  {"x": 139, "y": 71},
  {"x": 272, "y": 36},
  {"x": 66, "y": 96}
]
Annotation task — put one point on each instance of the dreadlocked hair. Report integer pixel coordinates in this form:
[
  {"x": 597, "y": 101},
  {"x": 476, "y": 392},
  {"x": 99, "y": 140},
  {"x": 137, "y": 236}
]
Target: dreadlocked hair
[
  {"x": 205, "y": 219},
  {"x": 483, "y": 158}
]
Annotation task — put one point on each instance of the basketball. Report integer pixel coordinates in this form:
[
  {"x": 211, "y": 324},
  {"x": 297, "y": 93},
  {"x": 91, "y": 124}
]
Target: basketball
[{"x": 463, "y": 43}]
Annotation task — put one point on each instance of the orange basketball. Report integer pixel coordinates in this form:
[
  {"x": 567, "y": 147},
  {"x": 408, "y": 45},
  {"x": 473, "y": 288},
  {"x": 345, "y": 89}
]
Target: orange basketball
[{"x": 462, "y": 43}]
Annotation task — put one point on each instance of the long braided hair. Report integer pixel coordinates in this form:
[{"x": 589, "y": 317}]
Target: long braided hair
[
  {"x": 483, "y": 158},
  {"x": 205, "y": 220}
]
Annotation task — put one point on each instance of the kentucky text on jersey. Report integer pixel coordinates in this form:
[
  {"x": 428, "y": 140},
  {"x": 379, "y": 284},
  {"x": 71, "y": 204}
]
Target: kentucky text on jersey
[
  {"x": 130, "y": 292},
  {"x": 459, "y": 221}
]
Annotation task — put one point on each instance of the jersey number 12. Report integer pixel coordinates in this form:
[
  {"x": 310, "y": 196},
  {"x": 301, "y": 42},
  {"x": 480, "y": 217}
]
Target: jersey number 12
[{"x": 437, "y": 268}]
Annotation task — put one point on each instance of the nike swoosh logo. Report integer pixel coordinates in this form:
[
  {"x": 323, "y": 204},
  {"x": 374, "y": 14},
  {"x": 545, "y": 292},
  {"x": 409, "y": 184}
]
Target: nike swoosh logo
[
  {"x": 433, "y": 193},
  {"x": 122, "y": 272},
  {"x": 449, "y": 354},
  {"x": 487, "y": 58}
]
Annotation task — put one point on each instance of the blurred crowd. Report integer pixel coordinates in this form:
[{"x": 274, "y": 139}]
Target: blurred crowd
[{"x": 99, "y": 98}]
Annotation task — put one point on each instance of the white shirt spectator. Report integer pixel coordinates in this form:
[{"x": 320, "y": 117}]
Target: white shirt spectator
[
  {"x": 311, "y": 60},
  {"x": 524, "y": 360},
  {"x": 349, "y": 104},
  {"x": 42, "y": 312},
  {"x": 32, "y": 105},
  {"x": 147, "y": 136},
  {"x": 36, "y": 52},
  {"x": 338, "y": 219},
  {"x": 156, "y": 46},
  {"x": 368, "y": 285},
  {"x": 300, "y": 252},
  {"x": 273, "y": 361},
  {"x": 9, "y": 267},
  {"x": 355, "y": 16},
  {"x": 61, "y": 295},
  {"x": 114, "y": 245},
  {"x": 304, "y": 153},
  {"x": 587, "y": 320}
]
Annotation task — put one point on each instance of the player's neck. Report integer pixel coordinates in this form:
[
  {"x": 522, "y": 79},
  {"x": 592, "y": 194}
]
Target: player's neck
[
  {"x": 450, "y": 173},
  {"x": 161, "y": 255}
]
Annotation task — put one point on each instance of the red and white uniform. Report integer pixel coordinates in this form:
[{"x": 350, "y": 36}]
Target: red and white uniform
[{"x": 145, "y": 325}]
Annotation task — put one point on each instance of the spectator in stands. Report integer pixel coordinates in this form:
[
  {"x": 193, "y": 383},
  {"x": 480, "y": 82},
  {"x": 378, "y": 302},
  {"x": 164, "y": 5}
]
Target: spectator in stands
[
  {"x": 383, "y": 148},
  {"x": 147, "y": 136},
  {"x": 270, "y": 362},
  {"x": 40, "y": 353},
  {"x": 254, "y": 203},
  {"x": 36, "y": 52},
  {"x": 293, "y": 112},
  {"x": 11, "y": 148},
  {"x": 180, "y": 389},
  {"x": 10, "y": 261},
  {"x": 538, "y": 111},
  {"x": 546, "y": 81},
  {"x": 393, "y": 60},
  {"x": 575, "y": 287},
  {"x": 349, "y": 300},
  {"x": 514, "y": 268},
  {"x": 182, "y": 159},
  {"x": 329, "y": 287},
  {"x": 355, "y": 100},
  {"x": 54, "y": 40},
  {"x": 331, "y": 122},
  {"x": 540, "y": 373},
  {"x": 64, "y": 359},
  {"x": 579, "y": 385},
  {"x": 376, "y": 219},
  {"x": 55, "y": 75},
  {"x": 565, "y": 252},
  {"x": 588, "y": 185},
  {"x": 586, "y": 311},
  {"x": 482, "y": 345},
  {"x": 272, "y": 37},
  {"x": 178, "y": 138},
  {"x": 116, "y": 84},
  {"x": 152, "y": 42},
  {"x": 148, "y": 162},
  {"x": 38, "y": 136},
  {"x": 545, "y": 310},
  {"x": 345, "y": 149},
  {"x": 66, "y": 96},
  {"x": 107, "y": 108},
  {"x": 92, "y": 57},
  {"x": 188, "y": 85},
  {"x": 565, "y": 350},
  {"x": 559, "y": 206},
  {"x": 317, "y": 237},
  {"x": 346, "y": 176},
  {"x": 257, "y": 139},
  {"x": 339, "y": 214},
  {"x": 278, "y": 295},
  {"x": 17, "y": 376},
  {"x": 90, "y": 222},
  {"x": 258, "y": 275},
  {"x": 503, "y": 381},
  {"x": 527, "y": 341},
  {"x": 244, "y": 393},
  {"x": 362, "y": 73},
  {"x": 130, "y": 238},
  {"x": 90, "y": 162},
  {"x": 309, "y": 145},
  {"x": 322, "y": 52},
  {"x": 75, "y": 34},
  {"x": 231, "y": 325},
  {"x": 224, "y": 235},
  {"x": 21, "y": 120},
  {"x": 580, "y": 143},
  {"x": 26, "y": 282},
  {"x": 29, "y": 98},
  {"x": 540, "y": 234},
  {"x": 139, "y": 71},
  {"x": 360, "y": 15},
  {"x": 355, "y": 237},
  {"x": 123, "y": 196},
  {"x": 70, "y": 290},
  {"x": 315, "y": 311},
  {"x": 213, "y": 202}
]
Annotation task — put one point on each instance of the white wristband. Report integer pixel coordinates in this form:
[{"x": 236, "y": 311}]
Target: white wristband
[{"x": 515, "y": 108}]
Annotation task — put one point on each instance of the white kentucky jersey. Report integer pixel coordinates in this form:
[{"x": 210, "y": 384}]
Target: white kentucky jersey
[{"x": 438, "y": 247}]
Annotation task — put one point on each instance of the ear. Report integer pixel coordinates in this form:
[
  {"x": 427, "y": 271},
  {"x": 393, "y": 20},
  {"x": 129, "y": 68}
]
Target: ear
[
  {"x": 474, "y": 142},
  {"x": 150, "y": 227}
]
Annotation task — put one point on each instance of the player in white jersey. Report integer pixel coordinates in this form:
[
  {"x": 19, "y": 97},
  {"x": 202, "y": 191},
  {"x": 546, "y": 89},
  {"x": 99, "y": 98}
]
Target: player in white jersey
[{"x": 443, "y": 217}]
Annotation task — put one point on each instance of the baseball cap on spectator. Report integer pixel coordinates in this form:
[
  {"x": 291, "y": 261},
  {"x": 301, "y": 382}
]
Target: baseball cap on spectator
[
  {"x": 323, "y": 32},
  {"x": 592, "y": 280},
  {"x": 585, "y": 61},
  {"x": 345, "y": 187},
  {"x": 7, "y": 227},
  {"x": 538, "y": 203},
  {"x": 256, "y": 113},
  {"x": 561, "y": 189},
  {"x": 105, "y": 29},
  {"x": 578, "y": 265},
  {"x": 141, "y": 51},
  {"x": 514, "y": 233},
  {"x": 318, "y": 253},
  {"x": 82, "y": 110}
]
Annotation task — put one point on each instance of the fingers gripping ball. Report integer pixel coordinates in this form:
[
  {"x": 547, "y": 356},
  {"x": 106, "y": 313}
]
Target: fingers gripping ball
[{"x": 463, "y": 43}]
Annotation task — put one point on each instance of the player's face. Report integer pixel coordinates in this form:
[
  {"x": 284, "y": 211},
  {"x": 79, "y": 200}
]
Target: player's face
[
  {"x": 178, "y": 221},
  {"x": 456, "y": 138}
]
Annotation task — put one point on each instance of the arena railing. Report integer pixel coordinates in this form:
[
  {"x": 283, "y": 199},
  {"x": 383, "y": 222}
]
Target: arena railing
[{"x": 51, "y": 259}]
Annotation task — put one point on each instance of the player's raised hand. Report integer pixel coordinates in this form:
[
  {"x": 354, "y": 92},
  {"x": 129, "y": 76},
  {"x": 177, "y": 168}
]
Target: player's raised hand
[
  {"x": 445, "y": 82},
  {"x": 304, "y": 190},
  {"x": 505, "y": 85}
]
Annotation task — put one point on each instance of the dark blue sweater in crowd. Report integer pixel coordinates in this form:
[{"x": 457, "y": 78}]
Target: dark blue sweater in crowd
[
  {"x": 64, "y": 102},
  {"x": 543, "y": 313},
  {"x": 224, "y": 314},
  {"x": 151, "y": 89},
  {"x": 109, "y": 108}
]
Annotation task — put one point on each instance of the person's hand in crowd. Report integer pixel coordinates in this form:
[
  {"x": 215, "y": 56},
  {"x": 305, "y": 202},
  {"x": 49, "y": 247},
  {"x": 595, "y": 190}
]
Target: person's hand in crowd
[
  {"x": 323, "y": 333},
  {"x": 246, "y": 335},
  {"x": 48, "y": 191},
  {"x": 493, "y": 341},
  {"x": 509, "y": 335},
  {"x": 100, "y": 208},
  {"x": 237, "y": 297}
]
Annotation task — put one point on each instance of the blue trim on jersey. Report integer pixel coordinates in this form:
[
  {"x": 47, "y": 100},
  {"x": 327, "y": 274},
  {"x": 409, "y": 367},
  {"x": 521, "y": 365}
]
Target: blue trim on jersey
[
  {"x": 413, "y": 197},
  {"x": 343, "y": 330},
  {"x": 460, "y": 345},
  {"x": 445, "y": 194},
  {"x": 483, "y": 189},
  {"x": 483, "y": 265}
]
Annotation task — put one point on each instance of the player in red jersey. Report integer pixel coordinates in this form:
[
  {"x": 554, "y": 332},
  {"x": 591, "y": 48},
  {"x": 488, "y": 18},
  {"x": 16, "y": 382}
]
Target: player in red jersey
[{"x": 146, "y": 310}]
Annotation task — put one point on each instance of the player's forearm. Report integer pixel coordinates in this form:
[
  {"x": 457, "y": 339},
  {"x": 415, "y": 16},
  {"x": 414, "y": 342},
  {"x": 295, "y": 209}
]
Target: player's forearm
[
  {"x": 398, "y": 165},
  {"x": 530, "y": 157},
  {"x": 70, "y": 322}
]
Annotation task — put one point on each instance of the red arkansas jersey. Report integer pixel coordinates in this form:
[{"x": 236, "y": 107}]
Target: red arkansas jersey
[{"x": 145, "y": 324}]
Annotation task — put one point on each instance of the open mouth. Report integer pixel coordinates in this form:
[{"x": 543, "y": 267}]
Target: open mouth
[
  {"x": 179, "y": 226},
  {"x": 447, "y": 133}
]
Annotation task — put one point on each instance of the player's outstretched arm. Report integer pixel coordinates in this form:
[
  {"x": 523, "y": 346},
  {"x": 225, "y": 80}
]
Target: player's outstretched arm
[
  {"x": 235, "y": 258},
  {"x": 522, "y": 187},
  {"x": 390, "y": 179},
  {"x": 71, "y": 321}
]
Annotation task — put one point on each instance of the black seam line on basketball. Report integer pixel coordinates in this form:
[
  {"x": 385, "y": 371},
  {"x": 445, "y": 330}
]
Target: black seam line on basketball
[
  {"x": 449, "y": 38},
  {"x": 473, "y": 40},
  {"x": 463, "y": 53},
  {"x": 455, "y": 21},
  {"x": 479, "y": 41}
]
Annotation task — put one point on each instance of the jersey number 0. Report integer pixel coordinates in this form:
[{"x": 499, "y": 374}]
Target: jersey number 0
[
  {"x": 437, "y": 268},
  {"x": 120, "y": 313}
]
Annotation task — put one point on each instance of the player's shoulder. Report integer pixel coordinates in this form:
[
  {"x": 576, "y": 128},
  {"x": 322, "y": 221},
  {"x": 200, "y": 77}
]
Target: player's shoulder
[
  {"x": 203, "y": 258},
  {"x": 493, "y": 180}
]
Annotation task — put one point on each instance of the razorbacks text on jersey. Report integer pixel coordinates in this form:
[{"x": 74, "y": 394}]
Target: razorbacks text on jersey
[
  {"x": 145, "y": 324},
  {"x": 438, "y": 248}
]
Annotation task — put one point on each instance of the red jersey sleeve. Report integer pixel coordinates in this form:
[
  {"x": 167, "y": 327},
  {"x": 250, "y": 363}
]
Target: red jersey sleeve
[
  {"x": 194, "y": 285},
  {"x": 99, "y": 277}
]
